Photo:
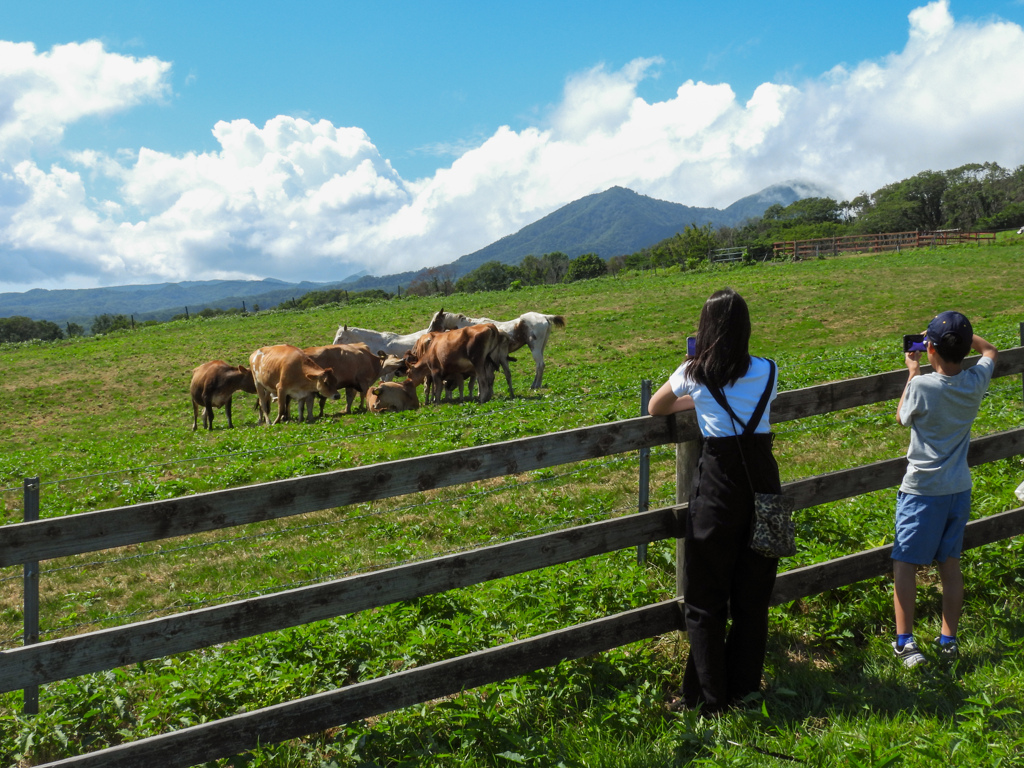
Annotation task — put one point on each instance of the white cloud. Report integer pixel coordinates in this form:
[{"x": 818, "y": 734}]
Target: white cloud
[
  {"x": 296, "y": 199},
  {"x": 41, "y": 94}
]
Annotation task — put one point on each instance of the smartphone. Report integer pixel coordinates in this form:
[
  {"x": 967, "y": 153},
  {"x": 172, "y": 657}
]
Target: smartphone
[
  {"x": 914, "y": 342},
  {"x": 691, "y": 346}
]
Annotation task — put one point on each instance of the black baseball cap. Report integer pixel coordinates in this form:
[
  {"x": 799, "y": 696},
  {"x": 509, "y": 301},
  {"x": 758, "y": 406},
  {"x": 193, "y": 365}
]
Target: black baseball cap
[{"x": 950, "y": 322}]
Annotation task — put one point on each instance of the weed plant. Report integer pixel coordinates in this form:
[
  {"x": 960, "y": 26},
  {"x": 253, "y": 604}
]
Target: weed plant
[{"x": 107, "y": 422}]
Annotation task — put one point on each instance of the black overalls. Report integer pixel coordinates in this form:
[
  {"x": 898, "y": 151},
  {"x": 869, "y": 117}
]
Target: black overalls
[{"x": 723, "y": 576}]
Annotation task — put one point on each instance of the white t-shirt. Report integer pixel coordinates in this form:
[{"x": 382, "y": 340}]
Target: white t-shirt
[
  {"x": 939, "y": 410},
  {"x": 743, "y": 396}
]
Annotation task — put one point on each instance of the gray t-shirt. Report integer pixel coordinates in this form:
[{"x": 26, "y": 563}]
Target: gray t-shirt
[{"x": 939, "y": 410}]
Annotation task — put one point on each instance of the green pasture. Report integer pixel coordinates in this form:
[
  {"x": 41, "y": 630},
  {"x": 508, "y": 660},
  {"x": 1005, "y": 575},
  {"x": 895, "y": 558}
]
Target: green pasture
[{"x": 106, "y": 421}]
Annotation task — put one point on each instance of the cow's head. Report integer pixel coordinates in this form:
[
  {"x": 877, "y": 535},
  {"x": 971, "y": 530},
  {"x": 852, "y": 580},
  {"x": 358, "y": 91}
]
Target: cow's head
[
  {"x": 326, "y": 384},
  {"x": 437, "y": 321},
  {"x": 248, "y": 382}
]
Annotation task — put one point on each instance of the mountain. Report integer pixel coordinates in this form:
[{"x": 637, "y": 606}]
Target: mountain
[
  {"x": 615, "y": 222},
  {"x": 159, "y": 301},
  {"x": 787, "y": 193}
]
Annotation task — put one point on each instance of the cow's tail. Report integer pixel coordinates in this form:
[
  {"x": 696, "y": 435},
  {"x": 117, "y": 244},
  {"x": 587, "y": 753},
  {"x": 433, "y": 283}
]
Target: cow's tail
[{"x": 557, "y": 320}]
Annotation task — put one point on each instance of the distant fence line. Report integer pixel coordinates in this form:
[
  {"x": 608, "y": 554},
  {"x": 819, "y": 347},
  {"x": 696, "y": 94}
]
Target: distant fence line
[
  {"x": 30, "y": 542},
  {"x": 891, "y": 241}
]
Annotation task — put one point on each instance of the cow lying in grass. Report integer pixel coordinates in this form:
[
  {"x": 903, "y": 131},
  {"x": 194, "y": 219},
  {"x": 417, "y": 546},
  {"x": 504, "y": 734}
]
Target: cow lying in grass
[{"x": 390, "y": 396}]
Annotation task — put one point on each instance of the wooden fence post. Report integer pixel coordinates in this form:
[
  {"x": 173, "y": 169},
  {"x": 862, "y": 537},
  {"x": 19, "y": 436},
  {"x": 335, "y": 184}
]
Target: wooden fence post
[
  {"x": 686, "y": 462},
  {"x": 31, "y": 592},
  {"x": 644, "y": 495}
]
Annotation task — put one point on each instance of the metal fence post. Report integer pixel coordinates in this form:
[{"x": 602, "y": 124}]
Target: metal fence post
[
  {"x": 31, "y": 592},
  {"x": 644, "y": 495}
]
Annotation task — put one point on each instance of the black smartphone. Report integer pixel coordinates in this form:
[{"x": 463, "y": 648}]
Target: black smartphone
[
  {"x": 691, "y": 346},
  {"x": 914, "y": 342}
]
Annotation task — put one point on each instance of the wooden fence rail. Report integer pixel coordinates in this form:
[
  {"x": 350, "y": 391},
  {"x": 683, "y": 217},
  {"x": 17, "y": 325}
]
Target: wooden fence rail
[
  {"x": 106, "y": 649},
  {"x": 875, "y": 243}
]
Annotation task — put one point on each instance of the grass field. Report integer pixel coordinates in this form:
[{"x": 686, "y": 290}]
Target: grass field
[{"x": 107, "y": 422}]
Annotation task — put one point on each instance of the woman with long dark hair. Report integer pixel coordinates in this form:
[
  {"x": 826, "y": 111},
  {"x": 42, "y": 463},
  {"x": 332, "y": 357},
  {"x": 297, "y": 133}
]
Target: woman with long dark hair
[{"x": 723, "y": 578}]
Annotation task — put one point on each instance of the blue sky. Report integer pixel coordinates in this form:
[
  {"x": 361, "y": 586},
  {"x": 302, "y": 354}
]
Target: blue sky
[{"x": 153, "y": 141}]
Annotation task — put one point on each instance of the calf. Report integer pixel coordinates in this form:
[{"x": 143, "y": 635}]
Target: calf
[
  {"x": 286, "y": 372},
  {"x": 212, "y": 386},
  {"x": 393, "y": 396}
]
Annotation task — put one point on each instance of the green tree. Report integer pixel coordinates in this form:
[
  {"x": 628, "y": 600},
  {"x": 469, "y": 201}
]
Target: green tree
[
  {"x": 108, "y": 323},
  {"x": 555, "y": 265},
  {"x": 911, "y": 204},
  {"x": 20, "y": 328},
  {"x": 532, "y": 270},
  {"x": 695, "y": 243},
  {"x": 492, "y": 276},
  {"x": 586, "y": 267}
]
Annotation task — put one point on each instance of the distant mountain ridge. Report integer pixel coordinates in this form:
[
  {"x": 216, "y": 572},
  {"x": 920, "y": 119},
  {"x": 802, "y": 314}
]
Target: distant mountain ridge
[
  {"x": 615, "y": 222},
  {"x": 160, "y": 301}
]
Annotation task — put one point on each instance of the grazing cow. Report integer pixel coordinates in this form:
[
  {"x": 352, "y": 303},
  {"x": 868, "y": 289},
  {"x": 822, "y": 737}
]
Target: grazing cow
[
  {"x": 378, "y": 341},
  {"x": 355, "y": 368},
  {"x": 449, "y": 358},
  {"x": 538, "y": 328},
  {"x": 393, "y": 396},
  {"x": 286, "y": 372},
  {"x": 212, "y": 386}
]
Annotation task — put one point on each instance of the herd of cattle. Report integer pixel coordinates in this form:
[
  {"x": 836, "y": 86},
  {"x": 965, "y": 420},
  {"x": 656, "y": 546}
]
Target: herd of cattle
[{"x": 454, "y": 350}]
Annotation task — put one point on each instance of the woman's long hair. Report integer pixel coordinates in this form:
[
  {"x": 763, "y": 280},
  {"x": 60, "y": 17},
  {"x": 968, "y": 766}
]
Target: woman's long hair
[{"x": 723, "y": 340}]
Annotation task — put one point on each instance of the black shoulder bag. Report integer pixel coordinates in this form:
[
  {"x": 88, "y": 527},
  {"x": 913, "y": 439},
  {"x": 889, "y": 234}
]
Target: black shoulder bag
[{"x": 774, "y": 533}]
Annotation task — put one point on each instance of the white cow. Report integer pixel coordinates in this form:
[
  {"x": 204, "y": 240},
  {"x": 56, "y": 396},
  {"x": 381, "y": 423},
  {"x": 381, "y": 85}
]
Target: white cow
[
  {"x": 378, "y": 341},
  {"x": 530, "y": 328}
]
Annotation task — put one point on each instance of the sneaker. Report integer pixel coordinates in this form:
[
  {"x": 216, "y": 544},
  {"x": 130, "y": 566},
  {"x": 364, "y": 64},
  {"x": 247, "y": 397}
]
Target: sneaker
[
  {"x": 949, "y": 652},
  {"x": 909, "y": 654}
]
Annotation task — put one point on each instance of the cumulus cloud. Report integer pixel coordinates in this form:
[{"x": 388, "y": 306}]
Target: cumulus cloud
[
  {"x": 41, "y": 94},
  {"x": 296, "y": 199}
]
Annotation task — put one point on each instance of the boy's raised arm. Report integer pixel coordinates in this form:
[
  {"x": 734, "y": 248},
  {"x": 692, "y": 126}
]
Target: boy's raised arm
[{"x": 983, "y": 348}]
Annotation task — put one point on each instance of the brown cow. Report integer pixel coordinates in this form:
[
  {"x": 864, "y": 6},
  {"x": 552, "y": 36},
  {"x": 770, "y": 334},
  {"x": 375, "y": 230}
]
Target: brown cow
[
  {"x": 450, "y": 357},
  {"x": 393, "y": 396},
  {"x": 355, "y": 368},
  {"x": 286, "y": 372},
  {"x": 212, "y": 386},
  {"x": 530, "y": 328}
]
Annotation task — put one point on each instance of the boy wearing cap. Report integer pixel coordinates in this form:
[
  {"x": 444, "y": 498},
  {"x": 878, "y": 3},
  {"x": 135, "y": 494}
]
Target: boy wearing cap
[{"x": 934, "y": 499}]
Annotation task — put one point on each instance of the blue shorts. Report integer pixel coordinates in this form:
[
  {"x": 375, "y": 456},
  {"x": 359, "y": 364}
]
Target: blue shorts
[{"x": 930, "y": 527}]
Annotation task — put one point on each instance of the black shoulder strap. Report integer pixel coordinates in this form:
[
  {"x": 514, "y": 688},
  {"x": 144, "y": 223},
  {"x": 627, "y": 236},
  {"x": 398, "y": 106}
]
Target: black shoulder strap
[{"x": 755, "y": 418}]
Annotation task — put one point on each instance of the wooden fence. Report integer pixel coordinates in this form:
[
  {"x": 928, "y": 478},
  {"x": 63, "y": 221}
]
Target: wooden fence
[
  {"x": 891, "y": 241},
  {"x": 40, "y": 663}
]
